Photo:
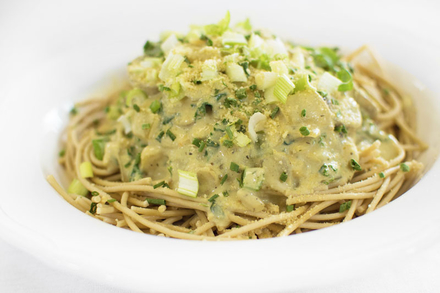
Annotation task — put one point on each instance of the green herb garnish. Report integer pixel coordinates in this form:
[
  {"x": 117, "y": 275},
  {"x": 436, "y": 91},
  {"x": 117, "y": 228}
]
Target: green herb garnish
[
  {"x": 224, "y": 179},
  {"x": 234, "y": 167},
  {"x": 404, "y": 167},
  {"x": 355, "y": 165},
  {"x": 156, "y": 201},
  {"x": 345, "y": 206},
  {"x": 274, "y": 112},
  {"x": 155, "y": 106},
  {"x": 304, "y": 131},
  {"x": 290, "y": 208},
  {"x": 283, "y": 177}
]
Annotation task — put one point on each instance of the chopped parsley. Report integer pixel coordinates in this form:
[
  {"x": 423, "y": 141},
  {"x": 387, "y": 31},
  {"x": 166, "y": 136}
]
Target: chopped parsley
[
  {"x": 382, "y": 175},
  {"x": 341, "y": 129},
  {"x": 283, "y": 177},
  {"x": 241, "y": 93},
  {"x": 290, "y": 208},
  {"x": 345, "y": 206},
  {"x": 234, "y": 167},
  {"x": 303, "y": 113},
  {"x": 136, "y": 108},
  {"x": 355, "y": 165}
]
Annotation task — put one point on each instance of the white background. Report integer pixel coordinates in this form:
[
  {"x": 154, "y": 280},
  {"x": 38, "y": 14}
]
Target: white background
[{"x": 29, "y": 29}]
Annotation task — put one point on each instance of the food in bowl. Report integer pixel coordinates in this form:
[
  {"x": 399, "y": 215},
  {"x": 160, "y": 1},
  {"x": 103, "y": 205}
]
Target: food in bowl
[{"x": 231, "y": 133}]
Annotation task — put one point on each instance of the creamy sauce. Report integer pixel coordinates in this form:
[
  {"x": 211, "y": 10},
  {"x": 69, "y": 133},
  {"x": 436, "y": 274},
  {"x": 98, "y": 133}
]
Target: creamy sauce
[{"x": 204, "y": 119}]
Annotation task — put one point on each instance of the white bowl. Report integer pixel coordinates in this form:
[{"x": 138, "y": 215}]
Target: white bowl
[{"x": 87, "y": 52}]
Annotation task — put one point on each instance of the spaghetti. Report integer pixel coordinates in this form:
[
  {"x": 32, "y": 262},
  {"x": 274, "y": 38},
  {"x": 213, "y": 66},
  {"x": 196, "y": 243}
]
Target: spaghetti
[{"x": 232, "y": 134}]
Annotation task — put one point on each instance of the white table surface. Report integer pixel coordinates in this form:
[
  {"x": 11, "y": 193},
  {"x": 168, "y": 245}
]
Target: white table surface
[{"x": 20, "y": 272}]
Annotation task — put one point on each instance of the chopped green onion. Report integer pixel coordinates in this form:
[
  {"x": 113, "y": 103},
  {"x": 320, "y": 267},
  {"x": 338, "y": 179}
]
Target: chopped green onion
[
  {"x": 93, "y": 206},
  {"x": 202, "y": 146},
  {"x": 85, "y": 169},
  {"x": 74, "y": 111},
  {"x": 253, "y": 178},
  {"x": 159, "y": 137},
  {"x": 62, "y": 153},
  {"x": 156, "y": 201},
  {"x": 266, "y": 80},
  {"x": 134, "y": 94},
  {"x": 224, "y": 179},
  {"x": 304, "y": 131},
  {"x": 76, "y": 187},
  {"x": 253, "y": 87},
  {"x": 209, "y": 70},
  {"x": 111, "y": 200},
  {"x": 341, "y": 129},
  {"x": 188, "y": 183},
  {"x": 213, "y": 198},
  {"x": 113, "y": 112},
  {"x": 232, "y": 39},
  {"x": 219, "y": 28},
  {"x": 335, "y": 102},
  {"x": 404, "y": 167},
  {"x": 355, "y": 165},
  {"x": 235, "y": 72},
  {"x": 283, "y": 87},
  {"x": 283, "y": 177},
  {"x": 303, "y": 113},
  {"x": 274, "y": 112},
  {"x": 382, "y": 175},
  {"x": 136, "y": 108},
  {"x": 345, "y": 206},
  {"x": 241, "y": 139},
  {"x": 346, "y": 78},
  {"x": 229, "y": 132},
  {"x": 171, "y": 66},
  {"x": 245, "y": 66},
  {"x": 146, "y": 126},
  {"x": 322, "y": 93},
  {"x": 95, "y": 193},
  {"x": 234, "y": 167},
  {"x": 196, "y": 142},
  {"x": 228, "y": 143},
  {"x": 290, "y": 208},
  {"x": 155, "y": 106},
  {"x": 152, "y": 49},
  {"x": 163, "y": 88},
  {"x": 160, "y": 184},
  {"x": 171, "y": 135},
  {"x": 98, "y": 148}
]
